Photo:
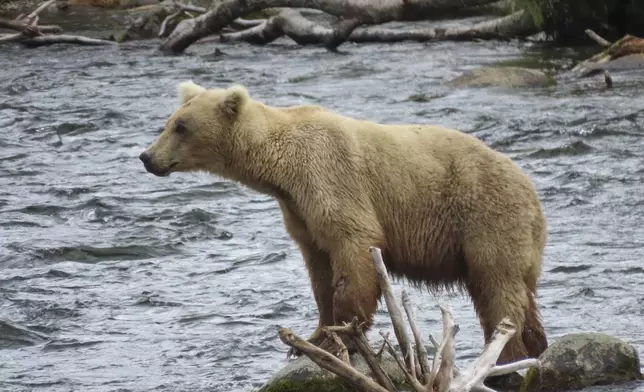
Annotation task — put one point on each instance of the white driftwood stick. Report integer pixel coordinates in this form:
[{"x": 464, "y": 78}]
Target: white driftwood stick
[
  {"x": 479, "y": 370},
  {"x": 421, "y": 351},
  {"x": 31, "y": 18},
  {"x": 513, "y": 367},
  {"x": 597, "y": 38},
  {"x": 64, "y": 39},
  {"x": 416, "y": 385},
  {"x": 446, "y": 370},
  {"x": 10, "y": 37},
  {"x": 412, "y": 360},
  {"x": 394, "y": 311},
  {"x": 167, "y": 20}
]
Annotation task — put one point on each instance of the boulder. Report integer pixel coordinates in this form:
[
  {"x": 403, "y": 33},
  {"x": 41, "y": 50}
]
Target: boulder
[
  {"x": 509, "y": 77},
  {"x": 582, "y": 360},
  {"x": 303, "y": 375}
]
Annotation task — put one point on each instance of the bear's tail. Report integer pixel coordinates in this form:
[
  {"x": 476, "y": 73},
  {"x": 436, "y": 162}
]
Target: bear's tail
[{"x": 534, "y": 336}]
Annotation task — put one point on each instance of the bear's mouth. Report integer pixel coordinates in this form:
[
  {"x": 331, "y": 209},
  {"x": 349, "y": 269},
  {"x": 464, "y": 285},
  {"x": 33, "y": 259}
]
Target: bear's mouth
[{"x": 165, "y": 172}]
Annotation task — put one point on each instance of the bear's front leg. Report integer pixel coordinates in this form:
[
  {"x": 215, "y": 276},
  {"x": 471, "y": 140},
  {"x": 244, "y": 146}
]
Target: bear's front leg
[
  {"x": 318, "y": 264},
  {"x": 355, "y": 285}
]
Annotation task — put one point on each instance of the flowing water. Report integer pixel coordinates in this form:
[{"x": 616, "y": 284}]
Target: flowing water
[{"x": 130, "y": 282}]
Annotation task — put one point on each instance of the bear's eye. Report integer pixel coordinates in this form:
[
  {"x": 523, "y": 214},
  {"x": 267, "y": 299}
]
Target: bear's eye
[{"x": 180, "y": 128}]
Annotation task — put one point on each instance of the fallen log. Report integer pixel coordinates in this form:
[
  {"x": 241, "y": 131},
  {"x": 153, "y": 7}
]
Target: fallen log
[
  {"x": 442, "y": 376},
  {"x": 293, "y": 24},
  {"x": 351, "y": 14}
]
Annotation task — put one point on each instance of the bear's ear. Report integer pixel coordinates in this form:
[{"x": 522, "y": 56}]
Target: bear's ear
[
  {"x": 234, "y": 100},
  {"x": 189, "y": 90}
]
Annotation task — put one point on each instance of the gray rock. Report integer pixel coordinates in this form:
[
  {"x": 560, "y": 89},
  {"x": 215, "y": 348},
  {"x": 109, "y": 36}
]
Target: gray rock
[
  {"x": 581, "y": 360},
  {"x": 304, "y": 375},
  {"x": 509, "y": 77}
]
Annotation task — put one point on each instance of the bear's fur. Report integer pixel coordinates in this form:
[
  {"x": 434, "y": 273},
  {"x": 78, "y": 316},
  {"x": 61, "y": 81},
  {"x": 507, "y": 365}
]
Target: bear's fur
[{"x": 446, "y": 210}]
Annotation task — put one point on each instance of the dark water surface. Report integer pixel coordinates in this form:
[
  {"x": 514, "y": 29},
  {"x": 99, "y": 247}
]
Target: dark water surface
[{"x": 132, "y": 282}]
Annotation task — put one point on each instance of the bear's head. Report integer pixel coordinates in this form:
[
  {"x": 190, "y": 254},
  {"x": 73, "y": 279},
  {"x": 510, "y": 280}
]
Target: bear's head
[{"x": 199, "y": 135}]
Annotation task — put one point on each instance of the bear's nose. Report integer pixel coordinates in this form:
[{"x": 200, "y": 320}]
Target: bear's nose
[{"x": 145, "y": 157}]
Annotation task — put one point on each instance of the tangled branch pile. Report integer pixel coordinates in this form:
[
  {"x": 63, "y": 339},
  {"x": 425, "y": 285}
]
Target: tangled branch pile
[
  {"x": 30, "y": 34},
  {"x": 441, "y": 376}
]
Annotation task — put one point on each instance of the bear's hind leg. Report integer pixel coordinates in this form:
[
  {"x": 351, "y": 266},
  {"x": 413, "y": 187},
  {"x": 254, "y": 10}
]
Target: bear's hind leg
[
  {"x": 496, "y": 296},
  {"x": 534, "y": 336}
]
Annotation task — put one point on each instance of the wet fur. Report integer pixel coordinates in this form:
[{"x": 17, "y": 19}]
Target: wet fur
[{"x": 447, "y": 211}]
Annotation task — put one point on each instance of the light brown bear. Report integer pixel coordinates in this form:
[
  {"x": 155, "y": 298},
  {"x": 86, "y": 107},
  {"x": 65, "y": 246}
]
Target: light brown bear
[{"x": 445, "y": 209}]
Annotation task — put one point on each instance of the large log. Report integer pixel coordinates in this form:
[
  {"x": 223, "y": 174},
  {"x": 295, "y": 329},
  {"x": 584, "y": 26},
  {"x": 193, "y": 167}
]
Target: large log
[
  {"x": 352, "y": 13},
  {"x": 293, "y": 24}
]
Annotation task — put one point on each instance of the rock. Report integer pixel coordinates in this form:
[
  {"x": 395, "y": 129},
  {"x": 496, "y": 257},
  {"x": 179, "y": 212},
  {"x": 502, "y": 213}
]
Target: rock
[
  {"x": 303, "y": 375},
  {"x": 510, "y": 77},
  {"x": 581, "y": 360}
]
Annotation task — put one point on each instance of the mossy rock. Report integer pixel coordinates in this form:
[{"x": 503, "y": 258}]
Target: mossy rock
[
  {"x": 509, "y": 77},
  {"x": 582, "y": 360},
  {"x": 303, "y": 375}
]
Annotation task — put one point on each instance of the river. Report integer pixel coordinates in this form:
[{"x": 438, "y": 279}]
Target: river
[{"x": 141, "y": 283}]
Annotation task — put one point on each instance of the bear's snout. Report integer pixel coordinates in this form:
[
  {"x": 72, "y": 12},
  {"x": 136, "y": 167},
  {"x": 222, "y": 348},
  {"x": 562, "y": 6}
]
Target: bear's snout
[
  {"x": 145, "y": 158},
  {"x": 154, "y": 167}
]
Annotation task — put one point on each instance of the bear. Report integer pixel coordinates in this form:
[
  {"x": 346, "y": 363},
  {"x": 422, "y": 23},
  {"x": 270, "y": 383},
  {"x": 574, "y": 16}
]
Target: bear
[{"x": 446, "y": 210}]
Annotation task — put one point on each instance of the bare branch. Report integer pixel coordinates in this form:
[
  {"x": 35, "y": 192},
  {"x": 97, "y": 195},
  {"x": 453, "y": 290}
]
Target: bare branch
[
  {"x": 513, "y": 367},
  {"x": 343, "y": 353},
  {"x": 597, "y": 38},
  {"x": 355, "y": 331},
  {"x": 64, "y": 39},
  {"x": 418, "y": 387},
  {"x": 168, "y": 19},
  {"x": 476, "y": 373},
  {"x": 421, "y": 351},
  {"x": 26, "y": 28},
  {"x": 394, "y": 311},
  {"x": 32, "y": 18},
  {"x": 447, "y": 352}
]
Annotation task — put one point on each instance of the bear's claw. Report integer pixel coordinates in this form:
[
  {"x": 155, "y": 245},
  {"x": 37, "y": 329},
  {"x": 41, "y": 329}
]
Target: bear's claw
[{"x": 293, "y": 353}]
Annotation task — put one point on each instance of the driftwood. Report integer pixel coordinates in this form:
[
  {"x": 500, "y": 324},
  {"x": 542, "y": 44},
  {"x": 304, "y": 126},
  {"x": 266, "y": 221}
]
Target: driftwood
[
  {"x": 31, "y": 35},
  {"x": 350, "y": 13},
  {"x": 293, "y": 24},
  {"x": 441, "y": 376}
]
